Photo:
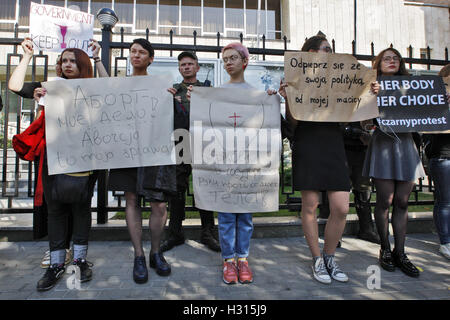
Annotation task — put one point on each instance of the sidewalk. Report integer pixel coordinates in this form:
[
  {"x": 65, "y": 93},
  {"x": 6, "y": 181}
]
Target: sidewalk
[{"x": 281, "y": 271}]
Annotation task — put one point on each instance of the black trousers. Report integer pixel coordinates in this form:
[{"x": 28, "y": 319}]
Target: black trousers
[
  {"x": 177, "y": 204},
  {"x": 60, "y": 214}
]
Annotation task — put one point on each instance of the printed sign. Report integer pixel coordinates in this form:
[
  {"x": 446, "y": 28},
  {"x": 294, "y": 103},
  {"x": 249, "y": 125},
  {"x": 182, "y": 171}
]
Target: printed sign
[
  {"x": 413, "y": 104},
  {"x": 236, "y": 142},
  {"x": 329, "y": 87},
  {"x": 56, "y": 28},
  {"x": 107, "y": 123}
]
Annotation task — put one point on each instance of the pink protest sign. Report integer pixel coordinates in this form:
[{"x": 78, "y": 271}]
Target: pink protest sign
[{"x": 56, "y": 28}]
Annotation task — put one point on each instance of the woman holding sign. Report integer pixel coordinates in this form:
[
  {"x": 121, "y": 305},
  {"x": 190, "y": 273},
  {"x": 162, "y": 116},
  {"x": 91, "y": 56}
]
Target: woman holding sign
[
  {"x": 393, "y": 163},
  {"x": 319, "y": 163},
  {"x": 66, "y": 193},
  {"x": 156, "y": 184}
]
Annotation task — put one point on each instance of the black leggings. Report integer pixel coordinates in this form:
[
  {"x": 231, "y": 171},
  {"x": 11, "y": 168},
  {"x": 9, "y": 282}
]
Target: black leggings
[{"x": 395, "y": 193}]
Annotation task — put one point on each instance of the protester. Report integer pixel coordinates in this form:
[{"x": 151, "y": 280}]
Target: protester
[
  {"x": 393, "y": 163},
  {"x": 156, "y": 184},
  {"x": 74, "y": 64},
  {"x": 356, "y": 140},
  {"x": 235, "y": 229},
  {"x": 438, "y": 153},
  {"x": 319, "y": 163},
  {"x": 26, "y": 90},
  {"x": 188, "y": 67}
]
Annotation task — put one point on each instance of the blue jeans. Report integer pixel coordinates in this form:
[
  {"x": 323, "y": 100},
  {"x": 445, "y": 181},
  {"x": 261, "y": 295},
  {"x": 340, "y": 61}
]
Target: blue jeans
[
  {"x": 440, "y": 172},
  {"x": 235, "y": 231}
]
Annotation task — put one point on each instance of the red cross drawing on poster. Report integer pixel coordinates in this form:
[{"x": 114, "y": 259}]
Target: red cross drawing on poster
[{"x": 235, "y": 117}]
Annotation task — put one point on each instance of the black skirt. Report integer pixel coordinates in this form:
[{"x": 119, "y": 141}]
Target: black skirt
[
  {"x": 319, "y": 162},
  {"x": 155, "y": 184}
]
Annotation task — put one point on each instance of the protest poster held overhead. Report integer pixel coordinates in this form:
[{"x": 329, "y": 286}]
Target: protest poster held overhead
[
  {"x": 236, "y": 145},
  {"x": 413, "y": 104},
  {"x": 108, "y": 123},
  {"x": 57, "y": 28},
  {"x": 329, "y": 87}
]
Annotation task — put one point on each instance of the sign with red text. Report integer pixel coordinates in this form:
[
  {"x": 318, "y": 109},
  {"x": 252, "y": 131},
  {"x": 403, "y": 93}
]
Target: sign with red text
[
  {"x": 236, "y": 145},
  {"x": 413, "y": 104},
  {"x": 57, "y": 28}
]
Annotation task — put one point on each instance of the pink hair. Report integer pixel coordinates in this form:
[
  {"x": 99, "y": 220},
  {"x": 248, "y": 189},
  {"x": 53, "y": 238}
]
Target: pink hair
[{"x": 239, "y": 47}]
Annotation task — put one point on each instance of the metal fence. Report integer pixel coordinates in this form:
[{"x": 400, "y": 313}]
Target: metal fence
[{"x": 13, "y": 168}]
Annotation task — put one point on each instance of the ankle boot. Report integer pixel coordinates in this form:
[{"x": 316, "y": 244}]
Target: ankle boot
[
  {"x": 386, "y": 260},
  {"x": 401, "y": 260},
  {"x": 206, "y": 237},
  {"x": 363, "y": 210}
]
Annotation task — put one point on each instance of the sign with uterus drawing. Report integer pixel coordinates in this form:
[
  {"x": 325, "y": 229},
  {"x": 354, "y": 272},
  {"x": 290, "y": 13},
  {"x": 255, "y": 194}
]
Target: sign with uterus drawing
[
  {"x": 55, "y": 28},
  {"x": 235, "y": 149}
]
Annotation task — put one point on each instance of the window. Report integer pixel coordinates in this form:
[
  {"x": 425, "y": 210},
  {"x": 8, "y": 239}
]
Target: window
[
  {"x": 8, "y": 10},
  {"x": 213, "y": 16},
  {"x": 83, "y": 5},
  {"x": 191, "y": 16},
  {"x": 146, "y": 14},
  {"x": 168, "y": 15},
  {"x": 124, "y": 11}
]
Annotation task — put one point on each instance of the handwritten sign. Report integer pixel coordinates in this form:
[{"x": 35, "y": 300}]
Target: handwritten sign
[
  {"x": 108, "y": 123},
  {"x": 236, "y": 142},
  {"x": 413, "y": 104},
  {"x": 56, "y": 28},
  {"x": 329, "y": 87}
]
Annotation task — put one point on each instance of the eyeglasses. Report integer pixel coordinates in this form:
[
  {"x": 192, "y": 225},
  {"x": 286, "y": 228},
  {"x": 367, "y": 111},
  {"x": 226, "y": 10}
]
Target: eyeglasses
[
  {"x": 389, "y": 59},
  {"x": 232, "y": 58},
  {"x": 326, "y": 49}
]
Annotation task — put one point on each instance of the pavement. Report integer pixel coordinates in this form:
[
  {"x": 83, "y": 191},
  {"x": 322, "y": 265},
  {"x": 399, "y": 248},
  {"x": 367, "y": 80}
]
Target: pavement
[{"x": 281, "y": 267}]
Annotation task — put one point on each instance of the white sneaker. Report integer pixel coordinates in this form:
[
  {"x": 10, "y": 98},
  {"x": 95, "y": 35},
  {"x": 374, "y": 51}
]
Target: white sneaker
[
  {"x": 320, "y": 272},
  {"x": 444, "y": 249},
  {"x": 334, "y": 270}
]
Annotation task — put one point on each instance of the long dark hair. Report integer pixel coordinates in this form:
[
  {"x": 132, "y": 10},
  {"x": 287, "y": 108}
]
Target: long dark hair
[
  {"x": 376, "y": 64},
  {"x": 313, "y": 43},
  {"x": 83, "y": 63}
]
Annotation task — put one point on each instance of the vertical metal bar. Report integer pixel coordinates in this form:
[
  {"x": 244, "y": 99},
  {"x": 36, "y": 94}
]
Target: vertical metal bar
[
  {"x": 410, "y": 55},
  {"x": 102, "y": 182},
  {"x": 264, "y": 47},
  {"x": 171, "y": 41},
  {"x": 428, "y": 58},
  {"x": 354, "y": 21},
  {"x": 218, "y": 45}
]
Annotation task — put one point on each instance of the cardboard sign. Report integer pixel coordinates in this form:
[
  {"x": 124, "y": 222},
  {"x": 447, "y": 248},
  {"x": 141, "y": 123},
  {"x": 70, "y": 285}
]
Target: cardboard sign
[
  {"x": 56, "y": 28},
  {"x": 329, "y": 87},
  {"x": 236, "y": 144},
  {"x": 413, "y": 104},
  {"x": 107, "y": 123}
]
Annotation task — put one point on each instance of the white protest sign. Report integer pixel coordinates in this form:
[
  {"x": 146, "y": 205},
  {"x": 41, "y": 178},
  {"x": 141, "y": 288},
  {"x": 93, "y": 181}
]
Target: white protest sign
[
  {"x": 236, "y": 145},
  {"x": 56, "y": 28},
  {"x": 108, "y": 123}
]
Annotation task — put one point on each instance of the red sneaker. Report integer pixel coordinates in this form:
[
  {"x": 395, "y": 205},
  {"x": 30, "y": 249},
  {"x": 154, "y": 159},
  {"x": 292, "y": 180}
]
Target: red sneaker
[
  {"x": 245, "y": 273},
  {"x": 230, "y": 273}
]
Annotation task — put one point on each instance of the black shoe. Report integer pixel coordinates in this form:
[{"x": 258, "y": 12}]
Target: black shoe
[
  {"x": 386, "y": 260},
  {"x": 210, "y": 242},
  {"x": 158, "y": 262},
  {"x": 85, "y": 270},
  {"x": 402, "y": 261},
  {"x": 140, "y": 272},
  {"x": 170, "y": 243},
  {"x": 369, "y": 236},
  {"x": 51, "y": 277},
  {"x": 339, "y": 244}
]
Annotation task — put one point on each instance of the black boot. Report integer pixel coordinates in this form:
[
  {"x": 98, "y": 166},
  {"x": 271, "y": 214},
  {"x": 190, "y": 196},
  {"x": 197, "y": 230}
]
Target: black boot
[
  {"x": 401, "y": 260},
  {"x": 175, "y": 230},
  {"x": 207, "y": 235},
  {"x": 363, "y": 210}
]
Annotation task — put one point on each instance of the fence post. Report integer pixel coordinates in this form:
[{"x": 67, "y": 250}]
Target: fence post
[{"x": 102, "y": 182}]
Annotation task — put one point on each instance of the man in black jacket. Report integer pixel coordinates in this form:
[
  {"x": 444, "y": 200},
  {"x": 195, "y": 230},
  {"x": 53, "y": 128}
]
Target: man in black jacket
[{"x": 188, "y": 67}]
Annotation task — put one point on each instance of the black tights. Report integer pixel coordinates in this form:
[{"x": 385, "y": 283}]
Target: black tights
[{"x": 396, "y": 193}]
